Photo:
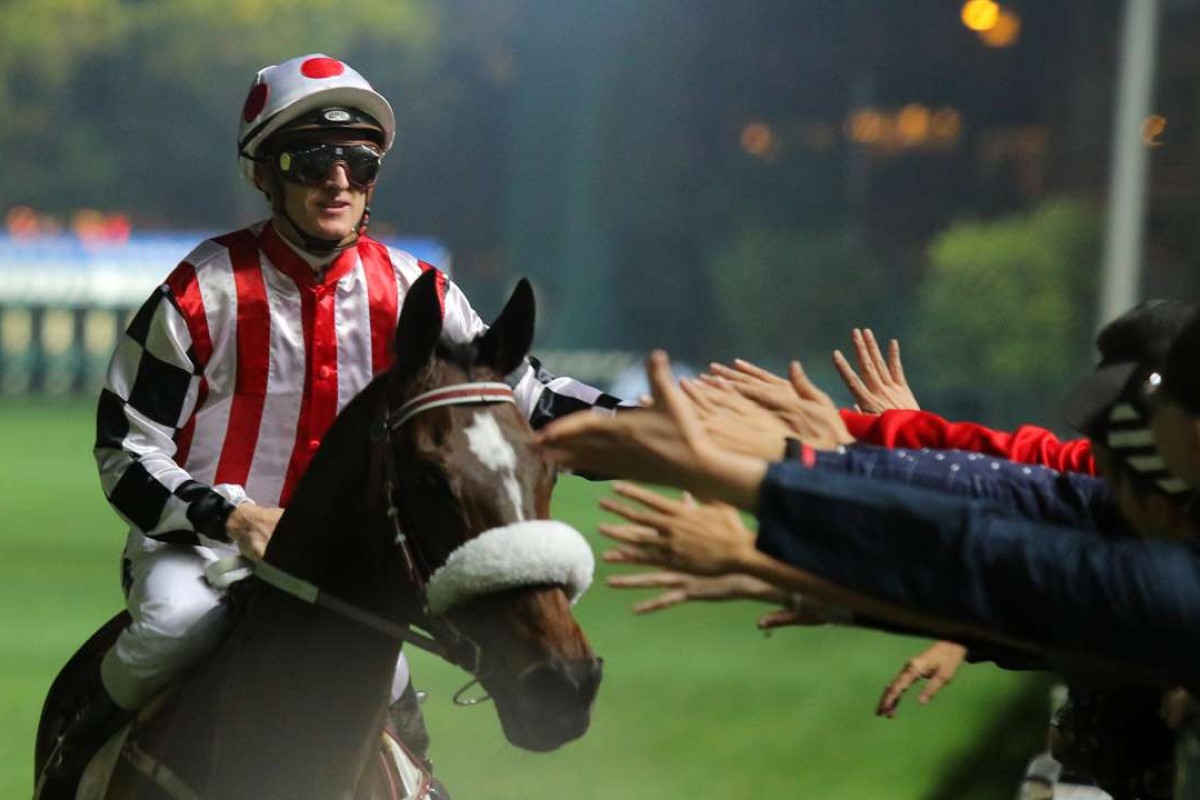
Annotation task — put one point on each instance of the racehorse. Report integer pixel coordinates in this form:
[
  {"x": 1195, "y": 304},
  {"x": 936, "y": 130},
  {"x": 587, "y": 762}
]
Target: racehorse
[{"x": 425, "y": 507}]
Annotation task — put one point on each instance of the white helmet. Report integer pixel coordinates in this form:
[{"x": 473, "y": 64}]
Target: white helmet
[{"x": 284, "y": 93}]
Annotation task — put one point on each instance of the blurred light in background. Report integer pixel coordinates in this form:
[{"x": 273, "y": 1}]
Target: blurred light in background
[
  {"x": 914, "y": 127},
  {"x": 912, "y": 124},
  {"x": 980, "y": 15},
  {"x": 759, "y": 140},
  {"x": 1005, "y": 32}
]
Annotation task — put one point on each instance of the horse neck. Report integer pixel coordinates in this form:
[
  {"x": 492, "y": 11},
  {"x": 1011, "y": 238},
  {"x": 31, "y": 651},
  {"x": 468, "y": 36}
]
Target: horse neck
[{"x": 323, "y": 679}]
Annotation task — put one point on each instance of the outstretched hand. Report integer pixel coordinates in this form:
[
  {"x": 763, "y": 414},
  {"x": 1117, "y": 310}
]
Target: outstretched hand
[
  {"x": 936, "y": 666},
  {"x": 807, "y": 411},
  {"x": 882, "y": 386},
  {"x": 734, "y": 422},
  {"x": 705, "y": 539},
  {"x": 679, "y": 588},
  {"x": 663, "y": 444}
]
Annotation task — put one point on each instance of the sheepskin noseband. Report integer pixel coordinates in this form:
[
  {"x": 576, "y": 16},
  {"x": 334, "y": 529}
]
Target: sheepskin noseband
[{"x": 531, "y": 553}]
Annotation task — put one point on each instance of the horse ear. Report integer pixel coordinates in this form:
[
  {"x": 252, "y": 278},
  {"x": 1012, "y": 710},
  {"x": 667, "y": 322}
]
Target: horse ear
[
  {"x": 507, "y": 341},
  {"x": 420, "y": 325}
]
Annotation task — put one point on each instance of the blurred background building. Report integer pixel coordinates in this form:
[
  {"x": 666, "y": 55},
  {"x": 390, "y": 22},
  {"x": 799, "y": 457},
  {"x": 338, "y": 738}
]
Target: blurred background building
[{"x": 718, "y": 178}]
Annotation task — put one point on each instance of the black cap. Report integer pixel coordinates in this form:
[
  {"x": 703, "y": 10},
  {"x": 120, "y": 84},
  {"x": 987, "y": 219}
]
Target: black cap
[{"x": 1089, "y": 402}]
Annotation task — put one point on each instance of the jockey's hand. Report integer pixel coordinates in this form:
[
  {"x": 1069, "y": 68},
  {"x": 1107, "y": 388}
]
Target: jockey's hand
[
  {"x": 936, "y": 665},
  {"x": 882, "y": 386},
  {"x": 250, "y": 528}
]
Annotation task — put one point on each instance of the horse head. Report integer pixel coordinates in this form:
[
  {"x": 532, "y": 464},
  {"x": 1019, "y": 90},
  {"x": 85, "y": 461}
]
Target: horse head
[{"x": 494, "y": 576}]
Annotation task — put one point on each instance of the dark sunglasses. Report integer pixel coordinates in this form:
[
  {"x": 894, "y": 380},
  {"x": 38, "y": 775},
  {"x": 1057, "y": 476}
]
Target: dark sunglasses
[{"x": 311, "y": 163}]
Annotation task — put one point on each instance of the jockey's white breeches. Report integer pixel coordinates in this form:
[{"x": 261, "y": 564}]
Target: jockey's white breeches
[{"x": 177, "y": 619}]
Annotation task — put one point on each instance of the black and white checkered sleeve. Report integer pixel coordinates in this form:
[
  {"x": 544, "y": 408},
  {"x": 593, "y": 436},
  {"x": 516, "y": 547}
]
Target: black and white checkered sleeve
[
  {"x": 545, "y": 396},
  {"x": 150, "y": 393}
]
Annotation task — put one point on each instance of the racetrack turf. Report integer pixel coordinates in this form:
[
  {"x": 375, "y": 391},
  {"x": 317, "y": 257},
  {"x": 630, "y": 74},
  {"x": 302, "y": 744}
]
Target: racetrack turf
[{"x": 695, "y": 702}]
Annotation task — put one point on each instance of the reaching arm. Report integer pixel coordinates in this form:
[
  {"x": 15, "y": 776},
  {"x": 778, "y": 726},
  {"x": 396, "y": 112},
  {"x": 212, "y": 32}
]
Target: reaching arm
[
  {"x": 1028, "y": 444},
  {"x": 1034, "y": 492}
]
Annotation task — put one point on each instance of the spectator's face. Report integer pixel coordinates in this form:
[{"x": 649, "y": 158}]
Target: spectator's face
[
  {"x": 1177, "y": 437},
  {"x": 1151, "y": 513}
]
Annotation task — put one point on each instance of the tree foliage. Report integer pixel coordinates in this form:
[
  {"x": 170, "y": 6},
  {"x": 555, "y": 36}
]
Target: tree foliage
[
  {"x": 781, "y": 293},
  {"x": 1005, "y": 309}
]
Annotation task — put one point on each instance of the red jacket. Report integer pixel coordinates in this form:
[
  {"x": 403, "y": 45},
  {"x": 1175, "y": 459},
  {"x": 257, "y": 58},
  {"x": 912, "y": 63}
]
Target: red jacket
[{"x": 1028, "y": 444}]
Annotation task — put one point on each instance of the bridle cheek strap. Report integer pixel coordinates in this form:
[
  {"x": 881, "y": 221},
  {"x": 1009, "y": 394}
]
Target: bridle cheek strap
[{"x": 530, "y": 553}]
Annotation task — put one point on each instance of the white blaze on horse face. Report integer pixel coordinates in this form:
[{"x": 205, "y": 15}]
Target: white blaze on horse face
[{"x": 495, "y": 452}]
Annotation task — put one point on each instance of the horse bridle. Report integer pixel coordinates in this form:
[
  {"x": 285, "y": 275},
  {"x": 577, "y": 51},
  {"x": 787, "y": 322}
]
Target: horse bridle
[{"x": 446, "y": 640}]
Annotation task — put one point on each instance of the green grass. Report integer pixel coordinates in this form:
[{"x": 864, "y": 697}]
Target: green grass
[{"x": 695, "y": 702}]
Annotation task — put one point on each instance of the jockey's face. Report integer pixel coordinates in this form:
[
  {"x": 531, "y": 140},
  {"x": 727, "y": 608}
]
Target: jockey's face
[{"x": 331, "y": 208}]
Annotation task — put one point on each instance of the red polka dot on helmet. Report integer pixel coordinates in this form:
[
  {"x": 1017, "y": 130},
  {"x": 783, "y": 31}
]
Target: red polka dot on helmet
[
  {"x": 285, "y": 92},
  {"x": 321, "y": 67},
  {"x": 255, "y": 100}
]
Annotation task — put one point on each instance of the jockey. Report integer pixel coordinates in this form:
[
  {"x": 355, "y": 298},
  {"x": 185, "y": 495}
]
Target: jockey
[{"x": 227, "y": 378}]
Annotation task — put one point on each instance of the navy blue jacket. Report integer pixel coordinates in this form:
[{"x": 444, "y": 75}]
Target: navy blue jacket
[
  {"x": 1067, "y": 589},
  {"x": 1035, "y": 492}
]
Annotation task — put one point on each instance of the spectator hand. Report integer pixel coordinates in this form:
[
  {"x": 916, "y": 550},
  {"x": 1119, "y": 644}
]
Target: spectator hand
[
  {"x": 682, "y": 588},
  {"x": 808, "y": 412},
  {"x": 882, "y": 386},
  {"x": 734, "y": 422},
  {"x": 663, "y": 444},
  {"x": 707, "y": 539},
  {"x": 936, "y": 665},
  {"x": 250, "y": 527}
]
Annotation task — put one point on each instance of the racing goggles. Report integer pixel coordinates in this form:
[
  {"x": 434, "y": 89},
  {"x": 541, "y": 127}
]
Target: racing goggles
[{"x": 310, "y": 164}]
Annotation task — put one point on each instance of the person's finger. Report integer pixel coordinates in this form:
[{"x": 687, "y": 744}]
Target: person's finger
[
  {"x": 896, "y": 689},
  {"x": 934, "y": 685},
  {"x": 762, "y": 396},
  {"x": 648, "y": 580},
  {"x": 730, "y": 400},
  {"x": 664, "y": 600},
  {"x": 688, "y": 499},
  {"x": 895, "y": 366},
  {"x": 802, "y": 385},
  {"x": 639, "y": 535},
  {"x": 876, "y": 354},
  {"x": 633, "y": 555},
  {"x": 668, "y": 397},
  {"x": 755, "y": 371},
  {"x": 862, "y": 354},
  {"x": 645, "y": 401},
  {"x": 646, "y": 497},
  {"x": 849, "y": 377},
  {"x": 638, "y": 516},
  {"x": 696, "y": 394},
  {"x": 728, "y": 373}
]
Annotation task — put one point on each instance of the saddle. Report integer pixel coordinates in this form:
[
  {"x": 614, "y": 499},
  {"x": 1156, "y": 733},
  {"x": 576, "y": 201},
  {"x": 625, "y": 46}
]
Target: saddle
[{"x": 401, "y": 772}]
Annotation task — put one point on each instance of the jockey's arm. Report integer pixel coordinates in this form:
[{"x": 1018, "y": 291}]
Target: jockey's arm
[{"x": 149, "y": 396}]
